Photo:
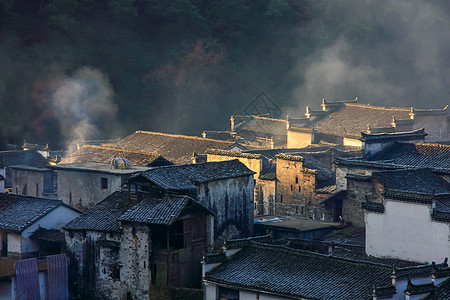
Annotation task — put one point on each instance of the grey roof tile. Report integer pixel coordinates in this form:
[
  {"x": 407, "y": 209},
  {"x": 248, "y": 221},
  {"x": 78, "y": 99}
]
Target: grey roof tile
[
  {"x": 185, "y": 177},
  {"x": 104, "y": 215},
  {"x": 18, "y": 212},
  {"x": 299, "y": 274},
  {"x": 103, "y": 154},
  {"x": 159, "y": 211},
  {"x": 174, "y": 147}
]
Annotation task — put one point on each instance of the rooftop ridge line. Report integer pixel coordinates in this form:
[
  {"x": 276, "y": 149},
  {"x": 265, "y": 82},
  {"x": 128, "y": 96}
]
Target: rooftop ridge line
[
  {"x": 182, "y": 136},
  {"x": 119, "y": 149}
]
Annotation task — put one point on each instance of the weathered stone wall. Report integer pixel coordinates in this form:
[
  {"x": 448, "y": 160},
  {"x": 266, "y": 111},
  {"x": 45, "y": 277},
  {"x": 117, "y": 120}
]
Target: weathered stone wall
[
  {"x": 135, "y": 254},
  {"x": 357, "y": 193},
  {"x": 265, "y": 201},
  {"x": 295, "y": 187},
  {"x": 231, "y": 201},
  {"x": 254, "y": 164},
  {"x": 111, "y": 265}
]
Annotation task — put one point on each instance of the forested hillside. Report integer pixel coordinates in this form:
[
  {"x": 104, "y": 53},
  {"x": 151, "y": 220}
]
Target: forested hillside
[{"x": 89, "y": 69}]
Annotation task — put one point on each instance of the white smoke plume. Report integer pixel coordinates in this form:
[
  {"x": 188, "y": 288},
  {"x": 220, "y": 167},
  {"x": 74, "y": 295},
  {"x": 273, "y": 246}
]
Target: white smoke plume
[
  {"x": 407, "y": 64},
  {"x": 84, "y": 103}
]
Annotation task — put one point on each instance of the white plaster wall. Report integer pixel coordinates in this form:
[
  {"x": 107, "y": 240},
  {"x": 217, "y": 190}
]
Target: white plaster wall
[
  {"x": 14, "y": 243},
  {"x": 209, "y": 291},
  {"x": 406, "y": 231},
  {"x": 56, "y": 219}
]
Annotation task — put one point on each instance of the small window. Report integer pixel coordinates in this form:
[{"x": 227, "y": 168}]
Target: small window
[
  {"x": 291, "y": 187},
  {"x": 281, "y": 198},
  {"x": 104, "y": 183},
  {"x": 299, "y": 189},
  {"x": 296, "y": 179}
]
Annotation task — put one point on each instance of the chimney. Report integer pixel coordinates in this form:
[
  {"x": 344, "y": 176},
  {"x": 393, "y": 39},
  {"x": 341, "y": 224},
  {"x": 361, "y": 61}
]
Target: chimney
[{"x": 232, "y": 123}]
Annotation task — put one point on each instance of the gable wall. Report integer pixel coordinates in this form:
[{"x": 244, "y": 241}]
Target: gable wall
[
  {"x": 298, "y": 139},
  {"x": 231, "y": 201},
  {"x": 437, "y": 127}
]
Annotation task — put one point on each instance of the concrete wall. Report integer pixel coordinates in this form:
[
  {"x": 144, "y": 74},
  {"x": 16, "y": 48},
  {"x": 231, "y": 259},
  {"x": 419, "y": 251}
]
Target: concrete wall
[
  {"x": 406, "y": 231},
  {"x": 297, "y": 139},
  {"x": 231, "y": 201},
  {"x": 82, "y": 190}
]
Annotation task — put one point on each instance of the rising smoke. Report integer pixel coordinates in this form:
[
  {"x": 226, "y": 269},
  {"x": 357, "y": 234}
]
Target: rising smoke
[
  {"x": 84, "y": 104},
  {"x": 396, "y": 53}
]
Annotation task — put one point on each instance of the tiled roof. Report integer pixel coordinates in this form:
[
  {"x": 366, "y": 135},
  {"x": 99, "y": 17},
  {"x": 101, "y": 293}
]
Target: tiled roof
[
  {"x": 420, "y": 271},
  {"x": 418, "y": 289},
  {"x": 373, "y": 206},
  {"x": 354, "y": 119},
  {"x": 299, "y": 274},
  {"x": 49, "y": 235},
  {"x": 104, "y": 215},
  {"x": 442, "y": 292},
  {"x": 393, "y": 136},
  {"x": 260, "y": 124},
  {"x": 414, "y": 181},
  {"x": 90, "y": 153},
  {"x": 340, "y": 252},
  {"x": 185, "y": 177},
  {"x": 18, "y": 212},
  {"x": 174, "y": 147},
  {"x": 401, "y": 155},
  {"x": 159, "y": 211}
]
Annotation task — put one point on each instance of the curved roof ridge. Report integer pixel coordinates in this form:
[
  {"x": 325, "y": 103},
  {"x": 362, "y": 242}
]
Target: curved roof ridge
[{"x": 407, "y": 109}]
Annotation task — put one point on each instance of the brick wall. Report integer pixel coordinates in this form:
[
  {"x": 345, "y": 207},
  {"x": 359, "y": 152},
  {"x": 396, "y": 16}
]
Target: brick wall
[{"x": 295, "y": 187}]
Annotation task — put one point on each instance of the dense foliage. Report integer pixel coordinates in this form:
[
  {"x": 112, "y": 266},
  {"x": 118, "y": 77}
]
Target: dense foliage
[{"x": 172, "y": 66}]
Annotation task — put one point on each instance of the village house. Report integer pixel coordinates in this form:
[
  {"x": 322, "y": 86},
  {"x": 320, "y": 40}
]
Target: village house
[
  {"x": 305, "y": 188},
  {"x": 28, "y": 222},
  {"x": 85, "y": 184},
  {"x": 122, "y": 247},
  {"x": 226, "y": 188},
  {"x": 341, "y": 122},
  {"x": 257, "y": 269},
  {"x": 393, "y": 151},
  {"x": 413, "y": 206},
  {"x": 173, "y": 147}
]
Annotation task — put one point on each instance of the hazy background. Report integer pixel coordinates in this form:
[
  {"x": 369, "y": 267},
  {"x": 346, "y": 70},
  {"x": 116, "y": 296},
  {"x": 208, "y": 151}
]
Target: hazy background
[{"x": 75, "y": 70}]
